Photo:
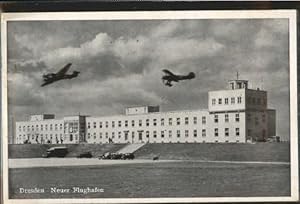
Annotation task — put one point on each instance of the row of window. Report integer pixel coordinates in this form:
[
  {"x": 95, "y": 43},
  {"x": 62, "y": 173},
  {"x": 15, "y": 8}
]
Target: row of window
[
  {"x": 225, "y": 101},
  {"x": 237, "y": 118},
  {"x": 256, "y": 118},
  {"x": 203, "y": 141},
  {"x": 233, "y": 100},
  {"x": 41, "y": 127},
  {"x": 256, "y": 101},
  {"x": 162, "y": 134},
  {"x": 46, "y": 136},
  {"x": 73, "y": 127},
  {"x": 147, "y": 122}
]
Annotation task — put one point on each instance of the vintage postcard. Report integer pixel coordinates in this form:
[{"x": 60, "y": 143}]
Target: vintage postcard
[{"x": 139, "y": 107}]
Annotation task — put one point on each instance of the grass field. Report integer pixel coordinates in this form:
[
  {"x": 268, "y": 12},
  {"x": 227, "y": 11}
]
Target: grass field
[
  {"x": 37, "y": 150},
  {"x": 173, "y": 179},
  {"x": 217, "y": 152},
  {"x": 228, "y": 152}
]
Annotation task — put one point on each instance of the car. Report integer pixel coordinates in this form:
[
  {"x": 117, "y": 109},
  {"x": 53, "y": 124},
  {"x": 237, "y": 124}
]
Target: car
[
  {"x": 56, "y": 152},
  {"x": 85, "y": 155},
  {"x": 128, "y": 156},
  {"x": 123, "y": 156}
]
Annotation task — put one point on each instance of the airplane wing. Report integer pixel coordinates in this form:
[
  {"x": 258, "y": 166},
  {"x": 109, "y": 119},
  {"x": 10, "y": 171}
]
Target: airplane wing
[
  {"x": 168, "y": 72},
  {"x": 64, "y": 69},
  {"x": 46, "y": 83}
]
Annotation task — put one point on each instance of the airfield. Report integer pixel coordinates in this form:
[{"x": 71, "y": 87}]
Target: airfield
[{"x": 184, "y": 173}]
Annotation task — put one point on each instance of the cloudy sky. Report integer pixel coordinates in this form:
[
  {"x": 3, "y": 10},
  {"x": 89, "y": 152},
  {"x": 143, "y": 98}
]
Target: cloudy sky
[{"x": 121, "y": 62}]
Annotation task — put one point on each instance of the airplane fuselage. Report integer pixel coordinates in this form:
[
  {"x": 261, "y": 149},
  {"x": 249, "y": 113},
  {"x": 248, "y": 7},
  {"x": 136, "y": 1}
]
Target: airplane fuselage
[
  {"x": 55, "y": 78},
  {"x": 176, "y": 78}
]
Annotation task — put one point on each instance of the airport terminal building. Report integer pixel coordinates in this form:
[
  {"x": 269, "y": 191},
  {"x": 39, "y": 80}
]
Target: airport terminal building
[{"x": 234, "y": 115}]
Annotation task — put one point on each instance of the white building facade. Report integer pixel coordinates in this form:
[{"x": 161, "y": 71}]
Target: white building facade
[{"x": 235, "y": 115}]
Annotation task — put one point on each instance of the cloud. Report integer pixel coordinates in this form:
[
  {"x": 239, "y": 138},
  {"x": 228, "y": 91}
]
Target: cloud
[{"x": 121, "y": 62}]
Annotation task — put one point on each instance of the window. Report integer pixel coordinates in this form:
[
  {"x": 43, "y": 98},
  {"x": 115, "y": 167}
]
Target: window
[
  {"x": 195, "y": 133},
  {"x": 132, "y": 123},
  {"x": 106, "y": 124},
  {"x": 226, "y": 101},
  {"x": 203, "y": 132},
  {"x": 186, "y": 133},
  {"x": 147, "y": 122},
  {"x": 216, "y": 118},
  {"x": 162, "y": 122},
  {"x": 226, "y": 132},
  {"x": 195, "y": 120},
  {"x": 132, "y": 134},
  {"x": 113, "y": 134},
  {"x": 106, "y": 135},
  {"x": 186, "y": 120},
  {"x": 203, "y": 120},
  {"x": 119, "y": 123},
  {"x": 140, "y": 123},
  {"x": 239, "y": 99},
  {"x": 213, "y": 102},
  {"x": 119, "y": 135},
  {"x": 237, "y": 117},
  {"x": 263, "y": 118},
  {"x": 178, "y": 133},
  {"x": 216, "y": 132},
  {"x": 256, "y": 121},
  {"x": 232, "y": 100},
  {"x": 113, "y": 124},
  {"x": 237, "y": 131},
  {"x": 220, "y": 101},
  {"x": 94, "y": 135},
  {"x": 226, "y": 118},
  {"x": 170, "y": 121},
  {"x": 170, "y": 133},
  {"x": 258, "y": 101},
  {"x": 140, "y": 135},
  {"x": 147, "y": 134},
  {"x": 94, "y": 124},
  {"x": 100, "y": 135},
  {"x": 249, "y": 117},
  {"x": 178, "y": 121},
  {"x": 154, "y": 134},
  {"x": 50, "y": 127},
  {"x": 126, "y": 123},
  {"x": 126, "y": 135},
  {"x": 154, "y": 122},
  {"x": 61, "y": 126},
  {"x": 265, "y": 101},
  {"x": 89, "y": 135},
  {"x": 162, "y": 133},
  {"x": 37, "y": 127},
  {"x": 88, "y": 125},
  {"x": 100, "y": 124},
  {"x": 42, "y": 127}
]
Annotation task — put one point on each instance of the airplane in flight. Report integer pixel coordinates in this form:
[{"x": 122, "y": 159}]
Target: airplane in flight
[
  {"x": 169, "y": 77},
  {"x": 61, "y": 74}
]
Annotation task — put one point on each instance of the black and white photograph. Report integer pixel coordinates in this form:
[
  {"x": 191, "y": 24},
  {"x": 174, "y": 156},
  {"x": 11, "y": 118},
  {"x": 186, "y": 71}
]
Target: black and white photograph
[{"x": 166, "y": 106}]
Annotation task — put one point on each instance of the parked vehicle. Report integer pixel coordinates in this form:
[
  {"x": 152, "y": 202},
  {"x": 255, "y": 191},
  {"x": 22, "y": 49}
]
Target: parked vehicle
[
  {"x": 122, "y": 156},
  {"x": 56, "y": 152},
  {"x": 128, "y": 156},
  {"x": 85, "y": 155}
]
